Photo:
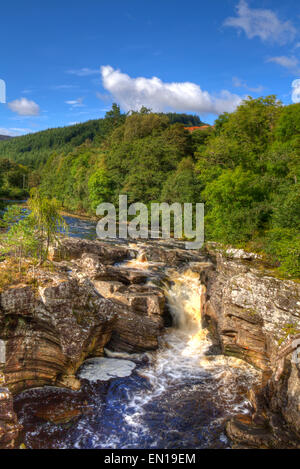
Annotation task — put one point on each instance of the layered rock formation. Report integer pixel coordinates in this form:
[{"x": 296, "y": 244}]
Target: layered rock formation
[
  {"x": 50, "y": 329},
  {"x": 90, "y": 301},
  {"x": 252, "y": 315},
  {"x": 71, "y": 312},
  {"x": 9, "y": 427}
]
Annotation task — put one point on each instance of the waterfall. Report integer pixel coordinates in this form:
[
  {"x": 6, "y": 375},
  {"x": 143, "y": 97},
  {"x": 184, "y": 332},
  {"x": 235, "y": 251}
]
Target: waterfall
[
  {"x": 140, "y": 262},
  {"x": 185, "y": 298},
  {"x": 179, "y": 397}
]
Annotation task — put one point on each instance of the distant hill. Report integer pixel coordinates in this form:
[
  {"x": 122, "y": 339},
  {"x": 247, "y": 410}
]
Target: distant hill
[
  {"x": 4, "y": 137},
  {"x": 34, "y": 149}
]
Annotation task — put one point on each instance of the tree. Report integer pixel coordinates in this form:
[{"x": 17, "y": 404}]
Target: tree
[
  {"x": 236, "y": 205},
  {"x": 180, "y": 186},
  {"x": 114, "y": 113},
  {"x": 100, "y": 188},
  {"x": 49, "y": 224},
  {"x": 19, "y": 237},
  {"x": 142, "y": 125},
  {"x": 30, "y": 235}
]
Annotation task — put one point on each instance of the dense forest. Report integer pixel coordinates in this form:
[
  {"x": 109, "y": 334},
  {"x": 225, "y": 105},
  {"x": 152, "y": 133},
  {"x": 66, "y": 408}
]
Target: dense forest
[
  {"x": 246, "y": 169},
  {"x": 33, "y": 150},
  {"x": 14, "y": 180}
]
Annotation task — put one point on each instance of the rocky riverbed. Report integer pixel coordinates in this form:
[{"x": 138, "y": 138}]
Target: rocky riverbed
[{"x": 210, "y": 336}]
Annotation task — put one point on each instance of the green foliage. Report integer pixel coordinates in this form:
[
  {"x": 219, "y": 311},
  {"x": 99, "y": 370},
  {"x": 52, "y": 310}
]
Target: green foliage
[
  {"x": 30, "y": 235},
  {"x": 249, "y": 171},
  {"x": 140, "y": 125},
  {"x": 246, "y": 169},
  {"x": 181, "y": 185},
  {"x": 283, "y": 244},
  {"x": 188, "y": 120},
  {"x": 47, "y": 221},
  {"x": 100, "y": 188},
  {"x": 288, "y": 125},
  {"x": 33, "y": 150},
  {"x": 236, "y": 205},
  {"x": 19, "y": 236},
  {"x": 14, "y": 179}
]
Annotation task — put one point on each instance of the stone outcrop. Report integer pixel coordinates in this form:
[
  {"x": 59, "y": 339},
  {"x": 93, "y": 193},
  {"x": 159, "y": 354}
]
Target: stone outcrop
[
  {"x": 140, "y": 308},
  {"x": 71, "y": 312},
  {"x": 50, "y": 329},
  {"x": 74, "y": 248},
  {"x": 251, "y": 315}
]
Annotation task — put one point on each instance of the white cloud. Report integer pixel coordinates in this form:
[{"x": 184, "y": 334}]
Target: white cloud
[
  {"x": 133, "y": 93},
  {"x": 291, "y": 63},
  {"x": 83, "y": 72},
  {"x": 6, "y": 132},
  {"x": 75, "y": 102},
  {"x": 13, "y": 132},
  {"x": 261, "y": 23},
  {"x": 24, "y": 107},
  {"x": 238, "y": 83},
  {"x": 296, "y": 91}
]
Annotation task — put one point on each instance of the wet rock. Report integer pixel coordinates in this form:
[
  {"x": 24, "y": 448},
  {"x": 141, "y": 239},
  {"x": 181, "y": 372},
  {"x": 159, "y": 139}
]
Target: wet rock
[
  {"x": 93, "y": 268},
  {"x": 108, "y": 288},
  {"x": 139, "y": 321},
  {"x": 53, "y": 404},
  {"x": 242, "y": 431},
  {"x": 58, "y": 414},
  {"x": 46, "y": 332}
]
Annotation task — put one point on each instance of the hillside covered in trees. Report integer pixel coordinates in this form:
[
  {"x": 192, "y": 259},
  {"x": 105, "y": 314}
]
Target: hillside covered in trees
[
  {"x": 14, "y": 180},
  {"x": 246, "y": 169}
]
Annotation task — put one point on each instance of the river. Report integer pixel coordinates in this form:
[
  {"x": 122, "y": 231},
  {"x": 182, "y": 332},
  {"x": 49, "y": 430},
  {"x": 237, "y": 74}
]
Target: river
[{"x": 177, "y": 397}]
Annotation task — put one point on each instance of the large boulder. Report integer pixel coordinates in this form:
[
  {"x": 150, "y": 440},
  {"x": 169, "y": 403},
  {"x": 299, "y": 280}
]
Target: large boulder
[
  {"x": 139, "y": 320},
  {"x": 49, "y": 330},
  {"x": 74, "y": 248}
]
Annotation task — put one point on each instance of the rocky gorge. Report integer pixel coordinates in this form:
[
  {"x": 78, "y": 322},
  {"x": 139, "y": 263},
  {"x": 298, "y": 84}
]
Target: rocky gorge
[{"x": 100, "y": 296}]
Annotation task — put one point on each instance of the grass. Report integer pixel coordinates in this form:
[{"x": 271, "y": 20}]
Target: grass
[
  {"x": 289, "y": 330},
  {"x": 12, "y": 273}
]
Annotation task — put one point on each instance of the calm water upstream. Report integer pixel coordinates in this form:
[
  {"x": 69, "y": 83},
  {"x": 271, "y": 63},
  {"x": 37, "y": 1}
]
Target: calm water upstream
[{"x": 177, "y": 397}]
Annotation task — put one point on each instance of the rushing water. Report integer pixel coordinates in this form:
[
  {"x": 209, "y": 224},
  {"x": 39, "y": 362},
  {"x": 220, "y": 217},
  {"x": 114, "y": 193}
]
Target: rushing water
[
  {"x": 177, "y": 397},
  {"x": 80, "y": 227}
]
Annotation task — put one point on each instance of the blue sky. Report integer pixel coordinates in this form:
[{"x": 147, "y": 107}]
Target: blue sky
[{"x": 67, "y": 61}]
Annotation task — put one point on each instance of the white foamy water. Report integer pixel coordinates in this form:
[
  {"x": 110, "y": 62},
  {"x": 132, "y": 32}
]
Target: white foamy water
[
  {"x": 181, "y": 361},
  {"x": 103, "y": 369}
]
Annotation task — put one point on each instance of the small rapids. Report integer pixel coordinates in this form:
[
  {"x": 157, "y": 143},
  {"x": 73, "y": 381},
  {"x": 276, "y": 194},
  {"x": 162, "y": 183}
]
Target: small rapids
[{"x": 177, "y": 397}]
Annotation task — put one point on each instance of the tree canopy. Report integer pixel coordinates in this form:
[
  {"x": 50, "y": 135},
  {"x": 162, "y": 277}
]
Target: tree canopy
[{"x": 246, "y": 169}]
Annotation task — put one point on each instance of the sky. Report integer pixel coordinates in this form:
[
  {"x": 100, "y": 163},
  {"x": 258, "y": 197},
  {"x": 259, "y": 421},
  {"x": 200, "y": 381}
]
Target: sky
[{"x": 65, "y": 62}]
